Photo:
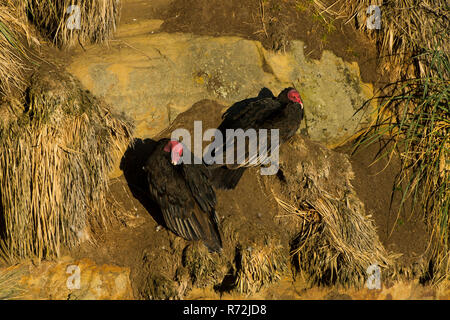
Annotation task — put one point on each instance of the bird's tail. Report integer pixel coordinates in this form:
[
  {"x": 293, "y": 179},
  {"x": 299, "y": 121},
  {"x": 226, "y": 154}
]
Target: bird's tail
[
  {"x": 214, "y": 241},
  {"x": 224, "y": 178}
]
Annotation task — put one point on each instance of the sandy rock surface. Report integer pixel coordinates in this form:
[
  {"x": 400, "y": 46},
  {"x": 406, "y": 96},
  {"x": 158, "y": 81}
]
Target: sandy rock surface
[{"x": 152, "y": 77}]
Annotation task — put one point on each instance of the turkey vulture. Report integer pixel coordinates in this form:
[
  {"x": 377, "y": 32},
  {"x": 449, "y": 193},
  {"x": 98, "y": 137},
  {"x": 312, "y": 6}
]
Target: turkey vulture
[
  {"x": 184, "y": 194},
  {"x": 266, "y": 111}
]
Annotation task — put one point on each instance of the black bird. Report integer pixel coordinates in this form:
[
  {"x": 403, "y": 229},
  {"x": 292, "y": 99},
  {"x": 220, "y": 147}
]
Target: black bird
[
  {"x": 265, "y": 111},
  {"x": 184, "y": 194}
]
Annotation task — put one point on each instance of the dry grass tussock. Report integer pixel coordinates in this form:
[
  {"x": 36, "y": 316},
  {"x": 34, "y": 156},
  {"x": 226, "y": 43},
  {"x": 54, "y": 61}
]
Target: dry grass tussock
[
  {"x": 13, "y": 34},
  {"x": 335, "y": 244},
  {"x": 57, "y": 150},
  {"x": 90, "y": 21}
]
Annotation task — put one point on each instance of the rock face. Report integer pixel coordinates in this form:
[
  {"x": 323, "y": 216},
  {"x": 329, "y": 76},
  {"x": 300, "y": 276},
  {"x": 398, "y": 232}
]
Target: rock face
[
  {"x": 69, "y": 279},
  {"x": 152, "y": 77}
]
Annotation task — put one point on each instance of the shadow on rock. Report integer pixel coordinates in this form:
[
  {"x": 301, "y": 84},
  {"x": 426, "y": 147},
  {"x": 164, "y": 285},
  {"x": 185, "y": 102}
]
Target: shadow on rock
[{"x": 132, "y": 164}]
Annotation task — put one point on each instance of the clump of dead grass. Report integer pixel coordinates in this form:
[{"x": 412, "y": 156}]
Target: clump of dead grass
[
  {"x": 56, "y": 153},
  {"x": 258, "y": 265},
  {"x": 204, "y": 268},
  {"x": 408, "y": 29},
  {"x": 336, "y": 244},
  {"x": 97, "y": 19},
  {"x": 160, "y": 287},
  {"x": 13, "y": 33}
]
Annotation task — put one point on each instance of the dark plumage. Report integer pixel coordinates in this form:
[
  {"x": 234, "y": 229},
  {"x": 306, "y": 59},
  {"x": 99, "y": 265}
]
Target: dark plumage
[
  {"x": 185, "y": 196},
  {"x": 265, "y": 111}
]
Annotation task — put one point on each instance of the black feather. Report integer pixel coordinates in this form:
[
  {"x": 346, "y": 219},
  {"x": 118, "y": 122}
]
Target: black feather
[
  {"x": 262, "y": 112},
  {"x": 186, "y": 197}
]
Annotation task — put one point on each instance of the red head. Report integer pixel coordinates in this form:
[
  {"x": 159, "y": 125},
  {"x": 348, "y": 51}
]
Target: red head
[
  {"x": 177, "y": 151},
  {"x": 294, "y": 96}
]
